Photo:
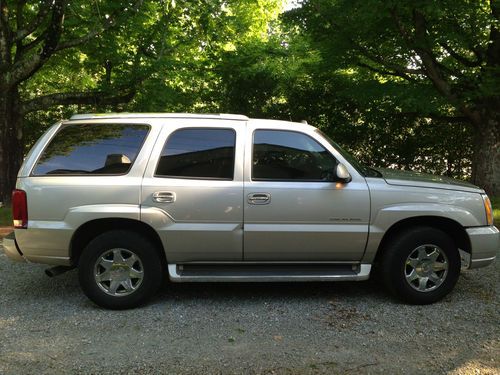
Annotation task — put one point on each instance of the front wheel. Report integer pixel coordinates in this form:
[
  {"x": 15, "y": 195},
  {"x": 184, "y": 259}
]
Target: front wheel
[
  {"x": 420, "y": 265},
  {"x": 120, "y": 270}
]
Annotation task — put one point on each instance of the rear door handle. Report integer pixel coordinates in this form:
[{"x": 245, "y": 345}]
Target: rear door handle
[
  {"x": 259, "y": 198},
  {"x": 164, "y": 197}
]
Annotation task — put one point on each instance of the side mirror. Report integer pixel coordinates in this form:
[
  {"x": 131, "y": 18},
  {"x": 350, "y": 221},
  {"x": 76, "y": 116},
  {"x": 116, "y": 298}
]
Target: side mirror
[{"x": 342, "y": 173}]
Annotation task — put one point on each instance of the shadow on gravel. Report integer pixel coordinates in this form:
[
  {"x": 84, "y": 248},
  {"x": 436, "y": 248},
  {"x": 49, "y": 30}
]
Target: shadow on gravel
[
  {"x": 36, "y": 286},
  {"x": 302, "y": 291}
]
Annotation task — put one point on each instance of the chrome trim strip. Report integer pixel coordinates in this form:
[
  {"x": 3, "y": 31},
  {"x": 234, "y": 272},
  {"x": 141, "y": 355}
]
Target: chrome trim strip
[
  {"x": 271, "y": 262},
  {"x": 217, "y": 116},
  {"x": 364, "y": 274},
  {"x": 52, "y": 260},
  {"x": 478, "y": 263}
]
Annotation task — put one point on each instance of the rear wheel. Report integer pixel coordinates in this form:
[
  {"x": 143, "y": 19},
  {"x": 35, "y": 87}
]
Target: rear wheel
[
  {"x": 420, "y": 265},
  {"x": 120, "y": 270}
]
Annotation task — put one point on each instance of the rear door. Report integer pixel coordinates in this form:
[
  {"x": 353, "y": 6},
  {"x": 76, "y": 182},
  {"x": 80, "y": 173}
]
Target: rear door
[
  {"x": 192, "y": 191},
  {"x": 293, "y": 211}
]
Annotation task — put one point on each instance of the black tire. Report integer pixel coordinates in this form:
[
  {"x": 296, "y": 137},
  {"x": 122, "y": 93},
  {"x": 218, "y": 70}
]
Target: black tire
[
  {"x": 413, "y": 280},
  {"x": 138, "y": 282}
]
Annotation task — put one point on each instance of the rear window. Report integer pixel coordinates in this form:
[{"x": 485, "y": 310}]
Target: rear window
[{"x": 95, "y": 149}]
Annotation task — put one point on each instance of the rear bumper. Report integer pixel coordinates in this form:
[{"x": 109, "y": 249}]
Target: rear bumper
[
  {"x": 485, "y": 243},
  {"x": 11, "y": 249}
]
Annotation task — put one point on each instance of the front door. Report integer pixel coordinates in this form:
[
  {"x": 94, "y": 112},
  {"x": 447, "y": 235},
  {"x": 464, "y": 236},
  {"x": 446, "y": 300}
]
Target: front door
[{"x": 293, "y": 210}]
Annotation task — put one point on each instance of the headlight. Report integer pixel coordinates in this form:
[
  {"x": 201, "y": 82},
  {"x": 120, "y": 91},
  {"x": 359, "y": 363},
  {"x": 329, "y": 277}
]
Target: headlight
[{"x": 488, "y": 208}]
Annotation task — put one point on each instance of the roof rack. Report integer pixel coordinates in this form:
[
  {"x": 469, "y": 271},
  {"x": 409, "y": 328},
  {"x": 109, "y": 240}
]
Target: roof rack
[{"x": 222, "y": 116}]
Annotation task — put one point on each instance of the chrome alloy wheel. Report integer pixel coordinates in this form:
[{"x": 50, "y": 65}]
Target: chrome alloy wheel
[
  {"x": 426, "y": 268},
  {"x": 118, "y": 272}
]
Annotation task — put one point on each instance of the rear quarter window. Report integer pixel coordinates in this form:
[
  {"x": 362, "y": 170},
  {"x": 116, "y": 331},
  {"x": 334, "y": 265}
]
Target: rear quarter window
[{"x": 92, "y": 149}]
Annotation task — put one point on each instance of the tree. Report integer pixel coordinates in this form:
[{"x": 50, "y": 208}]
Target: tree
[
  {"x": 190, "y": 77},
  {"x": 449, "y": 49},
  {"x": 380, "y": 121},
  {"x": 36, "y": 35},
  {"x": 95, "y": 54}
]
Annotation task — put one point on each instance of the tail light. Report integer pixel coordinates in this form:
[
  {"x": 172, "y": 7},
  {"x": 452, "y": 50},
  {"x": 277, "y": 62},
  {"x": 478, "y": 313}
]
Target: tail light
[{"x": 19, "y": 209}]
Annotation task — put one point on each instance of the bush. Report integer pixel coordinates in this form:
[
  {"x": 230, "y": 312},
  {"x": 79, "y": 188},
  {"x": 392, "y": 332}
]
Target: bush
[{"x": 5, "y": 216}]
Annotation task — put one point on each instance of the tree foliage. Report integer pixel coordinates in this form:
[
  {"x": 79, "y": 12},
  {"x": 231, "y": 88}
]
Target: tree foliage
[
  {"x": 385, "y": 122},
  {"x": 409, "y": 84},
  {"x": 442, "y": 57},
  {"x": 99, "y": 54}
]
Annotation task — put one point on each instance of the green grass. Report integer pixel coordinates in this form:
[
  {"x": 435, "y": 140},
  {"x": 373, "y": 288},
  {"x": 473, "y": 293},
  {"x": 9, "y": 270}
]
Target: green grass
[
  {"x": 5, "y": 217},
  {"x": 495, "y": 202}
]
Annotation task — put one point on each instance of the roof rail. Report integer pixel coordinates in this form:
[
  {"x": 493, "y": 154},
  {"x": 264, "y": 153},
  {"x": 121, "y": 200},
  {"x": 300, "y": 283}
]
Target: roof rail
[{"x": 222, "y": 116}]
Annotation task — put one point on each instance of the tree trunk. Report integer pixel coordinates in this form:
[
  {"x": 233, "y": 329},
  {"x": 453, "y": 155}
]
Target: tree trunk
[
  {"x": 11, "y": 145},
  {"x": 486, "y": 159}
]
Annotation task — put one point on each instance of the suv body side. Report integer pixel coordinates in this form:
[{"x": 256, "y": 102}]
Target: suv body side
[
  {"x": 212, "y": 220},
  {"x": 128, "y": 198},
  {"x": 229, "y": 228}
]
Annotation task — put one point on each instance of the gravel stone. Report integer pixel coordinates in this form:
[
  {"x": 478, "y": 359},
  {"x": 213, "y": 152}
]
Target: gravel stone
[{"x": 47, "y": 326}]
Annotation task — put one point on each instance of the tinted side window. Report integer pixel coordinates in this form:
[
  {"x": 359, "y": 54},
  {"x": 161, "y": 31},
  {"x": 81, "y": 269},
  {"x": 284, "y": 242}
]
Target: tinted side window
[
  {"x": 290, "y": 156},
  {"x": 108, "y": 149},
  {"x": 198, "y": 153}
]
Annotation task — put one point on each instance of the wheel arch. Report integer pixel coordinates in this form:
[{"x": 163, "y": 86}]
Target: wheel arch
[
  {"x": 456, "y": 231},
  {"x": 91, "y": 229}
]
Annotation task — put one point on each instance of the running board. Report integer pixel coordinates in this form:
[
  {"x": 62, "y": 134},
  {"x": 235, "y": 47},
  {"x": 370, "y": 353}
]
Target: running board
[{"x": 263, "y": 273}]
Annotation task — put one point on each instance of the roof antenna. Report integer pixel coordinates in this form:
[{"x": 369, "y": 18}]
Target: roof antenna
[{"x": 304, "y": 122}]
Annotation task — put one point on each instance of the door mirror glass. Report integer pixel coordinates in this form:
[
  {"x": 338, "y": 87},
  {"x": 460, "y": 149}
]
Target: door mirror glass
[{"x": 342, "y": 173}]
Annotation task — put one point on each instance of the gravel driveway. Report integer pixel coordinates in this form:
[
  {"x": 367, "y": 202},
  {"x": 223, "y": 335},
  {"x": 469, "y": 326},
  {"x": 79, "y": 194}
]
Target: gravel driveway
[{"x": 47, "y": 326}]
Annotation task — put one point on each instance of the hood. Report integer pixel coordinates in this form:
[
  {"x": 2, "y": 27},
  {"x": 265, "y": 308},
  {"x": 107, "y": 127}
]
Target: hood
[{"x": 410, "y": 178}]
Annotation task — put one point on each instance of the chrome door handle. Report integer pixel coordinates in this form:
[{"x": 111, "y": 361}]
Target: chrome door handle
[
  {"x": 164, "y": 197},
  {"x": 259, "y": 198}
]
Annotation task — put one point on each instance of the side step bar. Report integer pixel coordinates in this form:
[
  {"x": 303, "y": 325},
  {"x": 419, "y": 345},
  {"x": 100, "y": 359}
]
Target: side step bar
[{"x": 264, "y": 273}]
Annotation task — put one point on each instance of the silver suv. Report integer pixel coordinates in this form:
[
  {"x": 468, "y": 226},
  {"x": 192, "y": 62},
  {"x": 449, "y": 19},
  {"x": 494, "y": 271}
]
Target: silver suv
[{"x": 132, "y": 198}]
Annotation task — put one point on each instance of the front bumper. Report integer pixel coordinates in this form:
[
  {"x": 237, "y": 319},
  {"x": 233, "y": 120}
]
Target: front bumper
[
  {"x": 485, "y": 243},
  {"x": 11, "y": 250}
]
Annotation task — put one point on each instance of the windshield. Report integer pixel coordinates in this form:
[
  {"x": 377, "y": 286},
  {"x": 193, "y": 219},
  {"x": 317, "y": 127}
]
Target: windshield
[{"x": 362, "y": 169}]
